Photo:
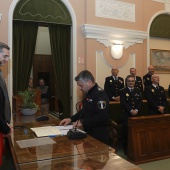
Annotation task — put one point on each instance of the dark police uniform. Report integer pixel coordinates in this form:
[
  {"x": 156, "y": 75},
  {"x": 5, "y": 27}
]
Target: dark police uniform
[
  {"x": 113, "y": 87},
  {"x": 138, "y": 83},
  {"x": 95, "y": 114},
  {"x": 155, "y": 97},
  {"x": 129, "y": 101},
  {"x": 147, "y": 80}
]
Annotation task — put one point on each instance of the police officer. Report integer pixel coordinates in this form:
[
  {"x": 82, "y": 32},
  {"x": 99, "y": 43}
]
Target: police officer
[
  {"x": 131, "y": 102},
  {"x": 156, "y": 97},
  {"x": 138, "y": 80},
  {"x": 113, "y": 85},
  {"x": 147, "y": 78},
  {"x": 95, "y": 112}
]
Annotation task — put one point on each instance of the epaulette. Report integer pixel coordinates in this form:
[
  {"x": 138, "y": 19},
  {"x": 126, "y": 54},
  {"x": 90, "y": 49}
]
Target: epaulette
[{"x": 100, "y": 89}]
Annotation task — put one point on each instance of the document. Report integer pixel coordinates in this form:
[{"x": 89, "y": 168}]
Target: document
[
  {"x": 64, "y": 129},
  {"x": 35, "y": 142},
  {"x": 49, "y": 131}
]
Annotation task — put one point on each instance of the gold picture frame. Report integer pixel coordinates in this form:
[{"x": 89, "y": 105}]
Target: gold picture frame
[{"x": 160, "y": 59}]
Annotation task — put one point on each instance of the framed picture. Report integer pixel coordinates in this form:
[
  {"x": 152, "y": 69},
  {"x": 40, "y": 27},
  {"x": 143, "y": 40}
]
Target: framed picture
[{"x": 160, "y": 59}]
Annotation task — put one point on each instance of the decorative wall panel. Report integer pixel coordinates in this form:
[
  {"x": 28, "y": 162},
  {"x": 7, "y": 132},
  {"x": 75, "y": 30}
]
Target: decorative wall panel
[{"x": 115, "y": 10}]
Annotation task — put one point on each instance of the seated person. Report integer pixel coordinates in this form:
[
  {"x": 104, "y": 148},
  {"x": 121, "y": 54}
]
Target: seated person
[
  {"x": 30, "y": 84},
  {"x": 45, "y": 96}
]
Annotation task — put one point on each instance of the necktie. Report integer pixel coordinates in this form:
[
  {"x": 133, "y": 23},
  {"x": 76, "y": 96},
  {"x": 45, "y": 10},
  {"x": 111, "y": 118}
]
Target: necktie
[
  {"x": 116, "y": 78},
  {"x": 131, "y": 90}
]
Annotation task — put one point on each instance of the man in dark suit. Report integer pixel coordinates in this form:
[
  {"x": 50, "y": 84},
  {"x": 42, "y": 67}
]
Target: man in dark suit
[
  {"x": 138, "y": 80},
  {"x": 113, "y": 85},
  {"x": 131, "y": 102},
  {"x": 5, "y": 112},
  {"x": 156, "y": 97}
]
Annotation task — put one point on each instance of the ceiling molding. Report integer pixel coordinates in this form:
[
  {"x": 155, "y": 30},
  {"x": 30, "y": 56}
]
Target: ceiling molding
[
  {"x": 111, "y": 35},
  {"x": 162, "y": 1}
]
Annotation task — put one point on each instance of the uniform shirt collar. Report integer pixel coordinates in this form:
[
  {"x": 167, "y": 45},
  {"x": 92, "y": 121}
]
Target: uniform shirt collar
[
  {"x": 131, "y": 88},
  {"x": 115, "y": 77},
  {"x": 92, "y": 89},
  {"x": 154, "y": 85}
]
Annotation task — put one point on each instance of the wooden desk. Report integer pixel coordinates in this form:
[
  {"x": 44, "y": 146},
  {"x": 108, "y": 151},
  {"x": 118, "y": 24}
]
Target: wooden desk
[
  {"x": 64, "y": 154},
  {"x": 148, "y": 138}
]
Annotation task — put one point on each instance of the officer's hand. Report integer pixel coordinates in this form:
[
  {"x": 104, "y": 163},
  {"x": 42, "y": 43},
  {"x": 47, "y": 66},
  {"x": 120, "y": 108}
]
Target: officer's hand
[
  {"x": 134, "y": 112},
  {"x": 77, "y": 124},
  {"x": 117, "y": 98},
  {"x": 11, "y": 130},
  {"x": 65, "y": 122},
  {"x": 161, "y": 109}
]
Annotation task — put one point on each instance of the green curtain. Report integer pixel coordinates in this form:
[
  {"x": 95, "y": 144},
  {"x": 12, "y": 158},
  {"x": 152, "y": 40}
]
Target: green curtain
[
  {"x": 60, "y": 37},
  {"x": 24, "y": 42}
]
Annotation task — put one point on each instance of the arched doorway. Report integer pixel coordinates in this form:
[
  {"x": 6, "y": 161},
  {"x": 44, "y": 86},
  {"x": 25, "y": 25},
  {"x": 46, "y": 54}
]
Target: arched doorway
[
  {"x": 159, "y": 39},
  {"x": 73, "y": 69}
]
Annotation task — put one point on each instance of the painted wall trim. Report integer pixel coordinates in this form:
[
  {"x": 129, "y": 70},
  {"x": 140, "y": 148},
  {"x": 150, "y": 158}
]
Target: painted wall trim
[{"x": 162, "y": 1}]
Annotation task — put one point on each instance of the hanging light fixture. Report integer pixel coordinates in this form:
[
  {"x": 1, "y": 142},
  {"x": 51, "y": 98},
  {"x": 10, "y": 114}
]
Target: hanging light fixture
[{"x": 117, "y": 51}]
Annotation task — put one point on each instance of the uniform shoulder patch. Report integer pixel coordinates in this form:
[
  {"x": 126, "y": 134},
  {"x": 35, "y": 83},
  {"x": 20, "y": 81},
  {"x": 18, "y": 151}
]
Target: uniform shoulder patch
[{"x": 101, "y": 104}]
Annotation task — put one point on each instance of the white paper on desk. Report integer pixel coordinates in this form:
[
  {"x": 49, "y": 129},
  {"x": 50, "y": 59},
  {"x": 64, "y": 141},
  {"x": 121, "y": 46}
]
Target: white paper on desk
[
  {"x": 46, "y": 131},
  {"x": 64, "y": 129},
  {"x": 35, "y": 142}
]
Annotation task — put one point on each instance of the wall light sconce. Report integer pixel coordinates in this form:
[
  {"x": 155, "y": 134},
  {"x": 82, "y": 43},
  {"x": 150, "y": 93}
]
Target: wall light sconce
[
  {"x": 117, "y": 51},
  {"x": 0, "y": 17}
]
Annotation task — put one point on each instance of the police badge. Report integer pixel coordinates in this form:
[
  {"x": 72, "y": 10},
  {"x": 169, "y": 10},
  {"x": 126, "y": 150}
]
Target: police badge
[
  {"x": 127, "y": 94},
  {"x": 152, "y": 90},
  {"x": 101, "y": 104}
]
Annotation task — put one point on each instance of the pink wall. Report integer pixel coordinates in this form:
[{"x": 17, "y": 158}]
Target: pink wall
[
  {"x": 4, "y": 8},
  {"x": 86, "y": 48}
]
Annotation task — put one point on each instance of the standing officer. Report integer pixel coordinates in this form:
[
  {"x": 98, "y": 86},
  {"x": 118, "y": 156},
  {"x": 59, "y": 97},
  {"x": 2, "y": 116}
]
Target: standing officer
[
  {"x": 95, "y": 112},
  {"x": 113, "y": 85},
  {"x": 147, "y": 78},
  {"x": 138, "y": 80},
  {"x": 131, "y": 102},
  {"x": 156, "y": 97}
]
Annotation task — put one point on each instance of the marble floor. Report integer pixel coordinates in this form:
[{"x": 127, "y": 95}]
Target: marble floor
[{"x": 155, "y": 165}]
